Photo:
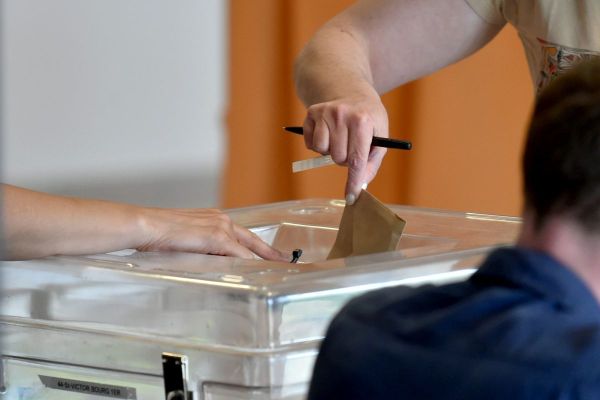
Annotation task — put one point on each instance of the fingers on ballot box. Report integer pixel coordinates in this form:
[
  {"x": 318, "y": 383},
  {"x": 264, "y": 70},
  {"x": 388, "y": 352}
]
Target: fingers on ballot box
[{"x": 133, "y": 325}]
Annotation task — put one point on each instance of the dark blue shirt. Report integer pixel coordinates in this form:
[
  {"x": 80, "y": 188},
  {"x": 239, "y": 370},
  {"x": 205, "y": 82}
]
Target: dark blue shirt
[{"x": 522, "y": 327}]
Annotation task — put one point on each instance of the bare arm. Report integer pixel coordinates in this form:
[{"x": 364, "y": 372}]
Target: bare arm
[
  {"x": 38, "y": 224},
  {"x": 370, "y": 48}
]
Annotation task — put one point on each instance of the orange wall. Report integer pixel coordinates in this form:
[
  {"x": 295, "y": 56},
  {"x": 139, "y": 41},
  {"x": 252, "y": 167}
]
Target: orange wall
[{"x": 466, "y": 122}]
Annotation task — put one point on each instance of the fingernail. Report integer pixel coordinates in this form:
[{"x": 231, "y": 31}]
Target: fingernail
[
  {"x": 364, "y": 186},
  {"x": 350, "y": 199}
]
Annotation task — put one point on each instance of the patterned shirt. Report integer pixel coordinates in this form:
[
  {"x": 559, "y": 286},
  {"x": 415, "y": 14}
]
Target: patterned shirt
[{"x": 556, "y": 34}]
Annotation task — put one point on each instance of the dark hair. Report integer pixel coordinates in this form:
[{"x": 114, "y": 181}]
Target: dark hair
[{"x": 561, "y": 162}]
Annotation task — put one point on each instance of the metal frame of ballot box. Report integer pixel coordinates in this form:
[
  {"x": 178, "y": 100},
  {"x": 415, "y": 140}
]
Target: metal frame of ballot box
[{"x": 150, "y": 326}]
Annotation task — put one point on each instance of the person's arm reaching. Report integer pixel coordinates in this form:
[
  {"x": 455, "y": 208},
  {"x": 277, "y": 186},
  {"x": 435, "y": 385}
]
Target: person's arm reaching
[
  {"x": 370, "y": 48},
  {"x": 38, "y": 224}
]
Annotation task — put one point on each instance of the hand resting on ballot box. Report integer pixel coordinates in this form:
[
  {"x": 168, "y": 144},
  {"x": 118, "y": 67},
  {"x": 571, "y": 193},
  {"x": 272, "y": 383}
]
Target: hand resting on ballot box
[{"x": 36, "y": 224}]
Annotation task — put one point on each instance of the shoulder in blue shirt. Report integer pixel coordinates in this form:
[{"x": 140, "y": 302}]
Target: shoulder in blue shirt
[{"x": 522, "y": 327}]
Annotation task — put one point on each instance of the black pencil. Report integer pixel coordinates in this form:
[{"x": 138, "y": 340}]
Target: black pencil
[{"x": 377, "y": 141}]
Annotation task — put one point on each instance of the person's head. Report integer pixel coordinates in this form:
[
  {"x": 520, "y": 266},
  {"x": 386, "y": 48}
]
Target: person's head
[{"x": 561, "y": 162}]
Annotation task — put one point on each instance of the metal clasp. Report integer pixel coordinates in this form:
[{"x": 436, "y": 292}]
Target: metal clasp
[{"x": 175, "y": 375}]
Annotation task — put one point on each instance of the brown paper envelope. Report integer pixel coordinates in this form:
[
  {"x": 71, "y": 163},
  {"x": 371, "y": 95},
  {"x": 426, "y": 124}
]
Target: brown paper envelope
[
  {"x": 345, "y": 236},
  {"x": 367, "y": 226}
]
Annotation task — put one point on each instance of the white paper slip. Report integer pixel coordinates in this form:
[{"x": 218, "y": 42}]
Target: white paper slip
[{"x": 311, "y": 163}]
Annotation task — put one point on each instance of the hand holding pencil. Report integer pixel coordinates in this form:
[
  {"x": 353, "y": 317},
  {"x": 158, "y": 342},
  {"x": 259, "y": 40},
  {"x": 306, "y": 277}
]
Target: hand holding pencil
[{"x": 349, "y": 132}]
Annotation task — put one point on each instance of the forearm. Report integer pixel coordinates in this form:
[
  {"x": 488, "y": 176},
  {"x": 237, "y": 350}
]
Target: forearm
[
  {"x": 334, "y": 65},
  {"x": 38, "y": 224},
  {"x": 377, "y": 45}
]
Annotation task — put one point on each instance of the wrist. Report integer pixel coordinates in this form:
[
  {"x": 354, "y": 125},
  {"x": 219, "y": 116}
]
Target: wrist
[{"x": 142, "y": 226}]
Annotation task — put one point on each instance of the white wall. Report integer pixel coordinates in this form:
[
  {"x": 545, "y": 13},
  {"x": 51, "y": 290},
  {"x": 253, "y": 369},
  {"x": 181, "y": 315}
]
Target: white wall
[{"x": 115, "y": 99}]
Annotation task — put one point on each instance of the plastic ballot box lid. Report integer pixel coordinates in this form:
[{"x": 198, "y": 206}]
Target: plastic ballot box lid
[{"x": 80, "y": 310}]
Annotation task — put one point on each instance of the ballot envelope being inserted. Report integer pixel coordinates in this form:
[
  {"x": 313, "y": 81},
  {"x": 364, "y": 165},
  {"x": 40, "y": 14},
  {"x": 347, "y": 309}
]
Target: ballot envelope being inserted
[{"x": 132, "y": 325}]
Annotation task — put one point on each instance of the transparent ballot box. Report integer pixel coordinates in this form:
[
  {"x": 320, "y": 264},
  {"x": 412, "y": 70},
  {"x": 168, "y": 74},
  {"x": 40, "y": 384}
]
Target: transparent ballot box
[{"x": 132, "y": 325}]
